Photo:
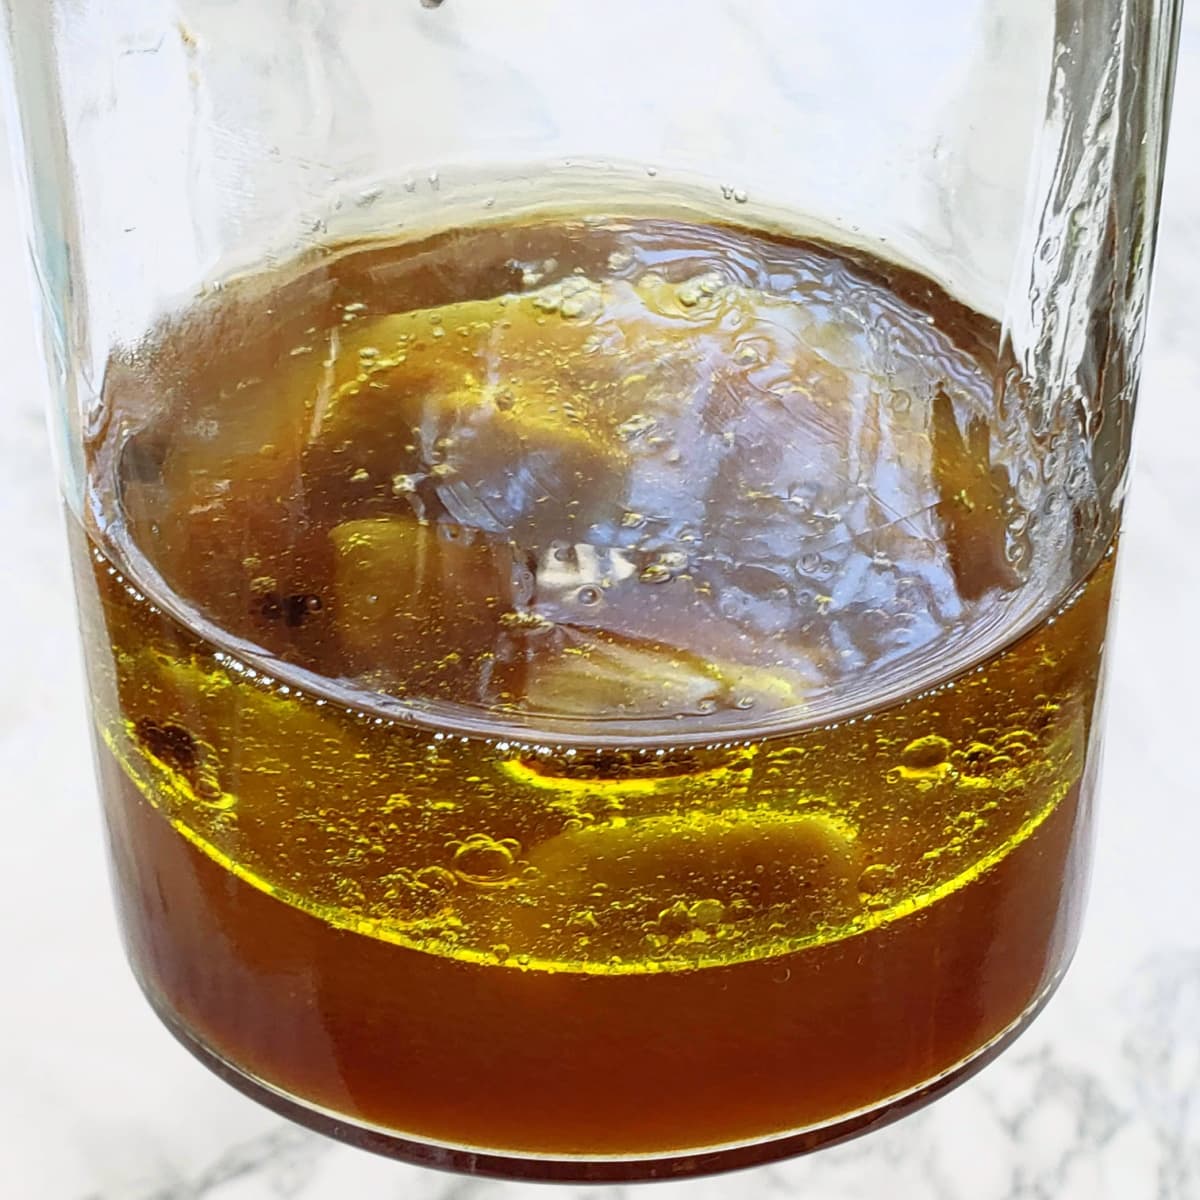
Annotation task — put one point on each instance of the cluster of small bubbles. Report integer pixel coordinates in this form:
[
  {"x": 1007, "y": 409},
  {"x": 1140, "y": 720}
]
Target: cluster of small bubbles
[
  {"x": 636, "y": 426},
  {"x": 574, "y": 297},
  {"x": 664, "y": 567},
  {"x": 483, "y": 860},
  {"x": 681, "y": 918},
  {"x": 875, "y": 882},
  {"x": 583, "y": 919},
  {"x": 925, "y": 753},
  {"x": 699, "y": 288},
  {"x": 526, "y": 621}
]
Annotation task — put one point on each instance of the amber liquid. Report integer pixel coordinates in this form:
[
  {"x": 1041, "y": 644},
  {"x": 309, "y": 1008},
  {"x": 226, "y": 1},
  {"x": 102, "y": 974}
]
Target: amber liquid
[{"x": 561, "y": 686}]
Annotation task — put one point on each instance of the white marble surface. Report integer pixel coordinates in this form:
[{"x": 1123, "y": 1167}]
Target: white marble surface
[{"x": 1099, "y": 1101}]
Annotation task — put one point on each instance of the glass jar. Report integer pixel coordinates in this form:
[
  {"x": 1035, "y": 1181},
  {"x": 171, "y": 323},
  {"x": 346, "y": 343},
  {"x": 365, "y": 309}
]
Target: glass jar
[{"x": 593, "y": 534}]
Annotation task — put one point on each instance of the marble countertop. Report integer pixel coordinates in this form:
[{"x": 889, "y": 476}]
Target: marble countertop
[{"x": 1100, "y": 1100}]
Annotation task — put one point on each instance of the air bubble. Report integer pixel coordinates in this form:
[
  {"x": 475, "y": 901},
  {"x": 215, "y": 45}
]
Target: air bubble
[
  {"x": 483, "y": 860},
  {"x": 925, "y": 753},
  {"x": 636, "y": 426},
  {"x": 656, "y": 572},
  {"x": 876, "y": 878}
]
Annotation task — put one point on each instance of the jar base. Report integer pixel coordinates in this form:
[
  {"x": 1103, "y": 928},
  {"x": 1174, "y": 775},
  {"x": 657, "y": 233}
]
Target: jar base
[{"x": 530, "y": 1167}]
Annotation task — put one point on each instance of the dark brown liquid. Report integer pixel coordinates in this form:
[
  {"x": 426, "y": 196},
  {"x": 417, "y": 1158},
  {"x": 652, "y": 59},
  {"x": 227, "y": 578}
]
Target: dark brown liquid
[{"x": 589, "y": 723}]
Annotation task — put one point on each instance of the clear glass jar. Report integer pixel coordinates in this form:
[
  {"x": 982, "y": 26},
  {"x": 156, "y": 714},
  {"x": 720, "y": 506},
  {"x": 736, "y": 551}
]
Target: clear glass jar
[{"x": 593, "y": 532}]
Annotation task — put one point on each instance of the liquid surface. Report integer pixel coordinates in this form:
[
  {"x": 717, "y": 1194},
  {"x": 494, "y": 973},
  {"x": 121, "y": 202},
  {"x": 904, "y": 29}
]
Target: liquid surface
[
  {"x": 588, "y": 598},
  {"x": 667, "y": 480}
]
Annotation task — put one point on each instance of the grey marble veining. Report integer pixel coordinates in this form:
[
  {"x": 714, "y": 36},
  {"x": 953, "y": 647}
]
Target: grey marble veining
[{"x": 1100, "y": 1100}]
